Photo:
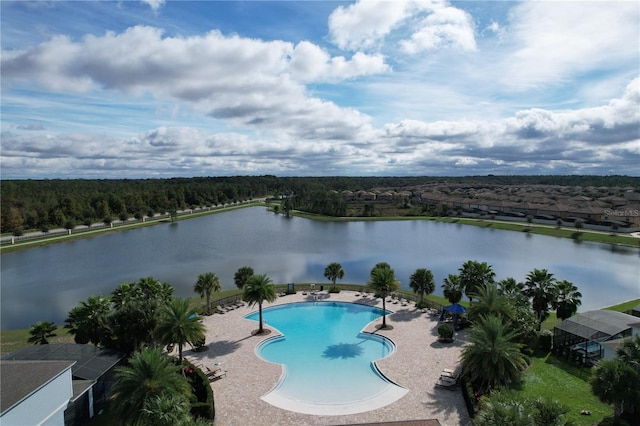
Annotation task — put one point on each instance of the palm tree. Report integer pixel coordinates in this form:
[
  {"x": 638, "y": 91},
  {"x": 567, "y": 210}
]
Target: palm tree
[
  {"x": 541, "y": 287},
  {"x": 242, "y": 275},
  {"x": 628, "y": 351},
  {"x": 383, "y": 282},
  {"x": 474, "y": 275},
  {"x": 421, "y": 282},
  {"x": 513, "y": 290},
  {"x": 207, "y": 283},
  {"x": 491, "y": 301},
  {"x": 179, "y": 324},
  {"x": 452, "y": 288},
  {"x": 149, "y": 375},
  {"x": 166, "y": 410},
  {"x": 616, "y": 382},
  {"x": 492, "y": 359},
  {"x": 257, "y": 290},
  {"x": 569, "y": 298},
  {"x": 334, "y": 271},
  {"x": 41, "y": 331},
  {"x": 88, "y": 321}
]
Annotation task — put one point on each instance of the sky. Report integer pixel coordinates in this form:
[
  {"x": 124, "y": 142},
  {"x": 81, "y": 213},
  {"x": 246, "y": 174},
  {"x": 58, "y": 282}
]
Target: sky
[{"x": 159, "y": 88}]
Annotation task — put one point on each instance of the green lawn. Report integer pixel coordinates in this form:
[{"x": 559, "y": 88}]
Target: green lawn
[
  {"x": 548, "y": 376},
  {"x": 625, "y": 306}
]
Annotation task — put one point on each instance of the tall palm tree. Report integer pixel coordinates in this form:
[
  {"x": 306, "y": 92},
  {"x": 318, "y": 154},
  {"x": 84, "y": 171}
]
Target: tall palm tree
[
  {"x": 452, "y": 288},
  {"x": 334, "y": 271},
  {"x": 541, "y": 287},
  {"x": 383, "y": 282},
  {"x": 474, "y": 275},
  {"x": 257, "y": 290},
  {"x": 491, "y": 302},
  {"x": 149, "y": 375},
  {"x": 421, "y": 282},
  {"x": 242, "y": 275},
  {"x": 179, "y": 324},
  {"x": 513, "y": 290},
  {"x": 569, "y": 298},
  {"x": 207, "y": 283},
  {"x": 88, "y": 321},
  {"x": 492, "y": 358},
  {"x": 40, "y": 332}
]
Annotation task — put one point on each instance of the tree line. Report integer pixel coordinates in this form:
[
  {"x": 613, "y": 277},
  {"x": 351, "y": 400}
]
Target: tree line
[{"x": 43, "y": 204}]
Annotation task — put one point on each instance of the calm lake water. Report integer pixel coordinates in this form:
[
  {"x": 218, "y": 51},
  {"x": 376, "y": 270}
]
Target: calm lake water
[{"x": 45, "y": 283}]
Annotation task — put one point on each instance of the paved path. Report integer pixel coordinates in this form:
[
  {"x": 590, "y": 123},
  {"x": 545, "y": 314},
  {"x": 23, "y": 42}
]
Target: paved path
[{"x": 416, "y": 365}]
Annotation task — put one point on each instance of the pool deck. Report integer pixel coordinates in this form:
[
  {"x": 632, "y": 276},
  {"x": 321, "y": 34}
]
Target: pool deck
[{"x": 415, "y": 365}]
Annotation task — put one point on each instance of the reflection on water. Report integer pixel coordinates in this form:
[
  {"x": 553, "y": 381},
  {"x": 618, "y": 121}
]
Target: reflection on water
[{"x": 44, "y": 283}]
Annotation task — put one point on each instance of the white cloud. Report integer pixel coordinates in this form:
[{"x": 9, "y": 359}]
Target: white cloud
[
  {"x": 445, "y": 26},
  {"x": 154, "y": 4},
  {"x": 431, "y": 25},
  {"x": 555, "y": 41}
]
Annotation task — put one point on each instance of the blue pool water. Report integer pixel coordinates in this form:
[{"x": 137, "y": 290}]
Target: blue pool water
[{"x": 327, "y": 360}]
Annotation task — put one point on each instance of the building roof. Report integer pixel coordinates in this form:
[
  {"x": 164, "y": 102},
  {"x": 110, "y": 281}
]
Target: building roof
[
  {"x": 90, "y": 362},
  {"x": 19, "y": 379},
  {"x": 598, "y": 325}
]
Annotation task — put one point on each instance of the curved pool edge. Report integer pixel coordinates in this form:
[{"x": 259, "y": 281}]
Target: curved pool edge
[{"x": 390, "y": 395}]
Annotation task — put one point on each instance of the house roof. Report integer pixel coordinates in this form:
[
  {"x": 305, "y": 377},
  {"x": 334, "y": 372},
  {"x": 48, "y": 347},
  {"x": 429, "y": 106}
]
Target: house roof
[
  {"x": 19, "y": 379},
  {"x": 598, "y": 325},
  {"x": 90, "y": 362}
]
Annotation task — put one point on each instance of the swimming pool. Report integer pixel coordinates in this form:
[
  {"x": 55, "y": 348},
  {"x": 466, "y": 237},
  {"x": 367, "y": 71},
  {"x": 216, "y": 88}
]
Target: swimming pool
[{"x": 328, "y": 363}]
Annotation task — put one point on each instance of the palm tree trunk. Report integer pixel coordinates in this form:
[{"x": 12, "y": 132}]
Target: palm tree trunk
[
  {"x": 384, "y": 313},
  {"x": 208, "y": 303},
  {"x": 260, "y": 310}
]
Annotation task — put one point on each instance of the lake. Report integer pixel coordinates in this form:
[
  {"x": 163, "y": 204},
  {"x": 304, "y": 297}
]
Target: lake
[{"x": 44, "y": 283}]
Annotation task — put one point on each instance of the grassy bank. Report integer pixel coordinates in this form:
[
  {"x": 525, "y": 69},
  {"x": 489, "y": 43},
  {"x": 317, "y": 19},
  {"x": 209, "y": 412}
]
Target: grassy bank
[
  {"x": 553, "y": 231},
  {"x": 76, "y": 234}
]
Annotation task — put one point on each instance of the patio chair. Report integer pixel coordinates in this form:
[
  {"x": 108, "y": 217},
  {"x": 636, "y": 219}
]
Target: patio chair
[
  {"x": 217, "y": 376},
  {"x": 446, "y": 384}
]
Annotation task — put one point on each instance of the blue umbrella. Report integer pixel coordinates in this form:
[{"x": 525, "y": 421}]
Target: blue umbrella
[{"x": 456, "y": 309}]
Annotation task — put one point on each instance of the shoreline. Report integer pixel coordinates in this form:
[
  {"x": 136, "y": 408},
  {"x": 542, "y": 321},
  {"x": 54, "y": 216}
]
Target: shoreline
[{"x": 578, "y": 235}]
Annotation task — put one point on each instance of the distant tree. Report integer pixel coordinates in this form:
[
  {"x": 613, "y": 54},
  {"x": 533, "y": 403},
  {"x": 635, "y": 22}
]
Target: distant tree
[
  {"x": 579, "y": 224},
  {"x": 207, "y": 283},
  {"x": 173, "y": 213},
  {"x": 334, "y": 271},
  {"x": 17, "y": 232},
  {"x": 383, "y": 282},
  {"x": 421, "y": 282},
  {"x": 150, "y": 374},
  {"x": 69, "y": 225},
  {"x": 179, "y": 324},
  {"x": 568, "y": 299},
  {"x": 474, "y": 275},
  {"x": 123, "y": 216},
  {"x": 87, "y": 222},
  {"x": 452, "y": 288},
  {"x": 541, "y": 287},
  {"x": 559, "y": 222},
  {"x": 628, "y": 351},
  {"x": 242, "y": 275},
  {"x": 257, "y": 290},
  {"x": 513, "y": 291},
  {"x": 40, "y": 332},
  {"x": 107, "y": 220}
]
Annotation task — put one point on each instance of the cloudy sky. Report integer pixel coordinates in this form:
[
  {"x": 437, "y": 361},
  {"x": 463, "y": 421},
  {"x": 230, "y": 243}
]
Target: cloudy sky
[{"x": 106, "y": 89}]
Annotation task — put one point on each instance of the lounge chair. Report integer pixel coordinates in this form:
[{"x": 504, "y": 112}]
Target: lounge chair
[
  {"x": 446, "y": 384},
  {"x": 218, "y": 376},
  {"x": 213, "y": 372}
]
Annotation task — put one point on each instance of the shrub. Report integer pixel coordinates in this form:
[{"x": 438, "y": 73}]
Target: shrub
[
  {"x": 334, "y": 290},
  {"x": 445, "y": 331},
  {"x": 545, "y": 340}
]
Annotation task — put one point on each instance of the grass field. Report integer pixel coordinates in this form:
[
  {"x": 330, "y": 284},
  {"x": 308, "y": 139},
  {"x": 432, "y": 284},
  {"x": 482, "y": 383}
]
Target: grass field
[{"x": 569, "y": 384}]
